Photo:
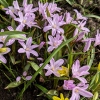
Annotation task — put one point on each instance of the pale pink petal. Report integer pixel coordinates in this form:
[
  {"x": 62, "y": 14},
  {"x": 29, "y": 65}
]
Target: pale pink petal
[
  {"x": 50, "y": 48},
  {"x": 46, "y": 28},
  {"x": 82, "y": 79},
  {"x": 49, "y": 72},
  {"x": 29, "y": 41},
  {"x": 21, "y": 50},
  {"x": 34, "y": 53},
  {"x": 23, "y": 44},
  {"x": 59, "y": 62},
  {"x": 28, "y": 77},
  {"x": 18, "y": 79},
  {"x": 85, "y": 93},
  {"x": 2, "y": 58},
  {"x": 28, "y": 54}
]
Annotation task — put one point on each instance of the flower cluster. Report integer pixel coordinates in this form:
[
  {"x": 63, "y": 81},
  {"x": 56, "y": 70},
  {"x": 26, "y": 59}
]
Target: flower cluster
[
  {"x": 79, "y": 89},
  {"x": 44, "y": 28}
]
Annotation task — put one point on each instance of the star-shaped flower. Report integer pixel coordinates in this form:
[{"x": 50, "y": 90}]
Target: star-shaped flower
[{"x": 28, "y": 48}]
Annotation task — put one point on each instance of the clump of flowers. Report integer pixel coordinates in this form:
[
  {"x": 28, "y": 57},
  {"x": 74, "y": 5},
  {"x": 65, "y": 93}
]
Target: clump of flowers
[{"x": 43, "y": 38}]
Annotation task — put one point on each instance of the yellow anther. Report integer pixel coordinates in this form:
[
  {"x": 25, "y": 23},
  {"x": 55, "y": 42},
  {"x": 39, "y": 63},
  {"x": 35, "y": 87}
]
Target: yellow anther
[{"x": 2, "y": 50}]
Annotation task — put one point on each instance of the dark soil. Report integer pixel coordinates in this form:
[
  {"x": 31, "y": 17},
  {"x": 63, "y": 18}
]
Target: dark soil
[{"x": 31, "y": 93}]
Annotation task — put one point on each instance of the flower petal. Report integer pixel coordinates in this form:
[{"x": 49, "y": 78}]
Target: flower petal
[
  {"x": 59, "y": 62},
  {"x": 85, "y": 93},
  {"x": 34, "y": 53},
  {"x": 2, "y": 58},
  {"x": 21, "y": 50}
]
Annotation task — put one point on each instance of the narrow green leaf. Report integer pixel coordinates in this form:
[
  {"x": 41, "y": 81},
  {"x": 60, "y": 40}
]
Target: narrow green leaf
[
  {"x": 11, "y": 33},
  {"x": 53, "y": 92},
  {"x": 12, "y": 59},
  {"x": 93, "y": 80},
  {"x": 13, "y": 84},
  {"x": 94, "y": 16},
  {"x": 92, "y": 57},
  {"x": 9, "y": 70},
  {"x": 4, "y": 3},
  {"x": 35, "y": 67},
  {"x": 15, "y": 36},
  {"x": 71, "y": 2},
  {"x": 6, "y": 20},
  {"x": 43, "y": 89},
  {"x": 95, "y": 86},
  {"x": 57, "y": 0}
]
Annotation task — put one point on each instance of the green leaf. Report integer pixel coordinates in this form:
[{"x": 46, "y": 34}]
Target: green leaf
[
  {"x": 53, "y": 92},
  {"x": 9, "y": 69},
  {"x": 35, "y": 67},
  {"x": 93, "y": 80},
  {"x": 44, "y": 90},
  {"x": 92, "y": 57},
  {"x": 46, "y": 62},
  {"x": 11, "y": 33},
  {"x": 6, "y": 20},
  {"x": 4, "y": 3},
  {"x": 71, "y": 2},
  {"x": 15, "y": 36},
  {"x": 13, "y": 84},
  {"x": 57, "y": 0},
  {"x": 12, "y": 59},
  {"x": 94, "y": 16},
  {"x": 95, "y": 84}
]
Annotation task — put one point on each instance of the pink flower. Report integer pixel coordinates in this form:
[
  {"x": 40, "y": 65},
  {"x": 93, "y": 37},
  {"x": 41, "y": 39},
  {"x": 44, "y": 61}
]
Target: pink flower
[
  {"x": 18, "y": 79},
  {"x": 11, "y": 11},
  {"x": 80, "y": 90},
  {"x": 54, "y": 42},
  {"x": 87, "y": 43},
  {"x": 53, "y": 67},
  {"x": 42, "y": 9},
  {"x": 79, "y": 15},
  {"x": 48, "y": 8},
  {"x": 25, "y": 20},
  {"x": 82, "y": 28},
  {"x": 68, "y": 18},
  {"x": 29, "y": 10},
  {"x": 52, "y": 7},
  {"x": 78, "y": 71},
  {"x": 54, "y": 25},
  {"x": 22, "y": 19},
  {"x": 28, "y": 48},
  {"x": 68, "y": 85}
]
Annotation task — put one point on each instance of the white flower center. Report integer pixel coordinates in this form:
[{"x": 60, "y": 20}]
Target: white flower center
[
  {"x": 54, "y": 26},
  {"x": 3, "y": 39},
  {"x": 76, "y": 90},
  {"x": 27, "y": 49},
  {"x": 55, "y": 44},
  {"x": 24, "y": 21},
  {"x": 12, "y": 10},
  {"x": 52, "y": 68}
]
